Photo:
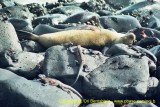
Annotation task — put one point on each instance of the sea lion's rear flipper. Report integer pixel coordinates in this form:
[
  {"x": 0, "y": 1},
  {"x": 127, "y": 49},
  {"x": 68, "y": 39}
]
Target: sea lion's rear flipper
[{"x": 26, "y": 35}]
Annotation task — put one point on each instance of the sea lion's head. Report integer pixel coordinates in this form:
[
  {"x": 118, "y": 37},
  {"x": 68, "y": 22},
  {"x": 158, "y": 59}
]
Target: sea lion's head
[{"x": 128, "y": 38}]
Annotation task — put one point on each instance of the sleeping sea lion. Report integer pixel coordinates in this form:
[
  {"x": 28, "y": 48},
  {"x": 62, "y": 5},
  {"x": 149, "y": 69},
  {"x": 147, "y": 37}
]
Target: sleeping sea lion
[{"x": 91, "y": 37}]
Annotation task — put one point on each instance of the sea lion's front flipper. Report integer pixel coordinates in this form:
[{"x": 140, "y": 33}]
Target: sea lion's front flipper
[{"x": 26, "y": 35}]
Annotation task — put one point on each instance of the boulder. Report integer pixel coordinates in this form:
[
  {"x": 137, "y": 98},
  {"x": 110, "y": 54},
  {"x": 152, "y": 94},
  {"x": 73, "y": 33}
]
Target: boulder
[
  {"x": 84, "y": 17},
  {"x": 26, "y": 64},
  {"x": 151, "y": 21},
  {"x": 36, "y": 9},
  {"x": 43, "y": 29},
  {"x": 156, "y": 51},
  {"x": 142, "y": 8},
  {"x": 27, "y": 93},
  {"x": 67, "y": 10},
  {"x": 19, "y": 12},
  {"x": 49, "y": 19},
  {"x": 121, "y": 76},
  {"x": 94, "y": 5},
  {"x": 31, "y": 46},
  {"x": 7, "y": 3},
  {"x": 9, "y": 39},
  {"x": 135, "y": 51},
  {"x": 62, "y": 63},
  {"x": 122, "y": 3},
  {"x": 21, "y": 24},
  {"x": 120, "y": 23}
]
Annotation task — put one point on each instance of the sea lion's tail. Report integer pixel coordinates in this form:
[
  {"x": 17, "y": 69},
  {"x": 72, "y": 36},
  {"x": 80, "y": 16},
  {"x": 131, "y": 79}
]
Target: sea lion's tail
[{"x": 26, "y": 35}]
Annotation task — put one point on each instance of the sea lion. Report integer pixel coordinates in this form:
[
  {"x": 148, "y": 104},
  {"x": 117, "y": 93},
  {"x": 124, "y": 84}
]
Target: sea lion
[{"x": 90, "y": 37}]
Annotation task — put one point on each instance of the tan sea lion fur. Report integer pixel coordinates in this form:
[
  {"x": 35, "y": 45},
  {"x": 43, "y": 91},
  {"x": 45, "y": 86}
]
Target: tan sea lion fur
[{"x": 88, "y": 37}]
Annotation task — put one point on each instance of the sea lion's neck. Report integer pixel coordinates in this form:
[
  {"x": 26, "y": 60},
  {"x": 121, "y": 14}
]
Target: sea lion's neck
[{"x": 112, "y": 37}]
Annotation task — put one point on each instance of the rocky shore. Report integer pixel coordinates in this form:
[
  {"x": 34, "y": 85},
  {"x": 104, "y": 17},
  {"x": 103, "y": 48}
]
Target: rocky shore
[{"x": 68, "y": 75}]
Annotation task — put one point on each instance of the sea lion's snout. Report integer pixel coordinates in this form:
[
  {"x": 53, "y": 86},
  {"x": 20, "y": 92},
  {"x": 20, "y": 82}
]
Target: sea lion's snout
[
  {"x": 133, "y": 38},
  {"x": 134, "y": 41},
  {"x": 130, "y": 38}
]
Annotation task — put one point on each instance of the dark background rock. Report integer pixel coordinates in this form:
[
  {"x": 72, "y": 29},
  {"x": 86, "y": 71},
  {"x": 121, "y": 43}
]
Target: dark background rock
[
  {"x": 21, "y": 24},
  {"x": 16, "y": 91},
  {"x": 6, "y": 3},
  {"x": 104, "y": 13},
  {"x": 93, "y": 5},
  {"x": 149, "y": 32},
  {"x": 141, "y": 9},
  {"x": 156, "y": 51},
  {"x": 41, "y": 2},
  {"x": 150, "y": 21},
  {"x": 148, "y": 42},
  {"x": 67, "y": 10},
  {"x": 120, "y": 23},
  {"x": 158, "y": 72},
  {"x": 158, "y": 95},
  {"x": 49, "y": 19},
  {"x": 19, "y": 12},
  {"x": 43, "y": 29},
  {"x": 84, "y": 17},
  {"x": 122, "y": 3},
  {"x": 72, "y": 3},
  {"x": 63, "y": 26},
  {"x": 36, "y": 9}
]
